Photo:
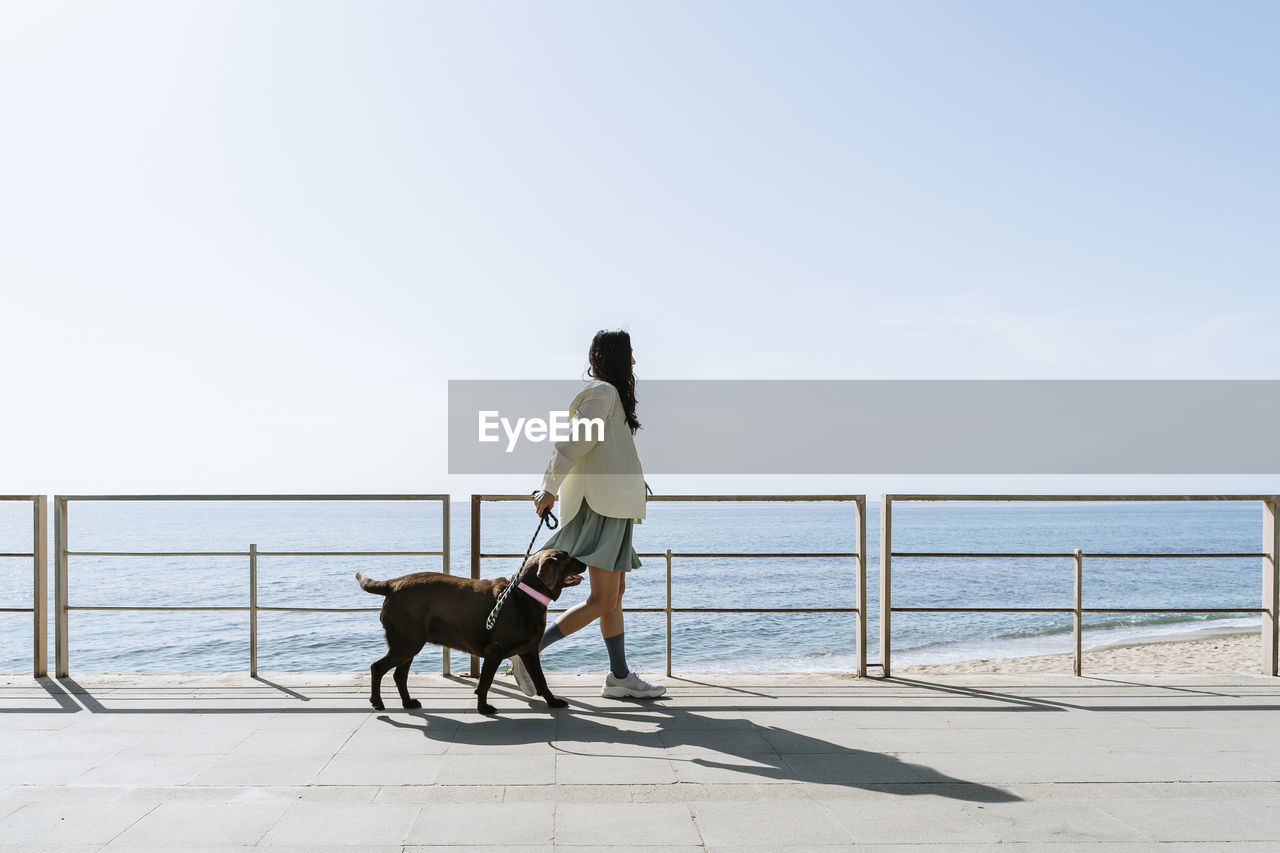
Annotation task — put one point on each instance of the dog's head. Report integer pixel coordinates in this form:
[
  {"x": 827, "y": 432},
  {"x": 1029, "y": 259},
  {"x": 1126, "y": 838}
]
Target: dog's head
[{"x": 556, "y": 569}]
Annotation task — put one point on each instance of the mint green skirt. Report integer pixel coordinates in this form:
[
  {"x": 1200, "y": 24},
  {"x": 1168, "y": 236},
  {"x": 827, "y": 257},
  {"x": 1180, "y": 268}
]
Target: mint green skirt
[{"x": 597, "y": 540}]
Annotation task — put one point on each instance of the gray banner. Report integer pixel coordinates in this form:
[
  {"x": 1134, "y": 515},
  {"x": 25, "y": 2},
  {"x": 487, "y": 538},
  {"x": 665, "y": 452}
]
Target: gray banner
[{"x": 892, "y": 426}]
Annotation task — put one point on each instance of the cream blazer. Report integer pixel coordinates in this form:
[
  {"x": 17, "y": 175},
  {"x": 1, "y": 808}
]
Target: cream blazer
[{"x": 605, "y": 473}]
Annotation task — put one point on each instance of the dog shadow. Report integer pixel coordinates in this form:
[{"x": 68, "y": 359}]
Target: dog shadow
[{"x": 721, "y": 749}]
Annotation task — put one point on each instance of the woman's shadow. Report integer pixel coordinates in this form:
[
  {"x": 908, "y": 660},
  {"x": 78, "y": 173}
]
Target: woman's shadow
[{"x": 768, "y": 752}]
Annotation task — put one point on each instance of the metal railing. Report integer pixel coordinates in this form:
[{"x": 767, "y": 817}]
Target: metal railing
[
  {"x": 1270, "y": 555},
  {"x": 39, "y": 608},
  {"x": 62, "y": 605},
  {"x": 859, "y": 555}
]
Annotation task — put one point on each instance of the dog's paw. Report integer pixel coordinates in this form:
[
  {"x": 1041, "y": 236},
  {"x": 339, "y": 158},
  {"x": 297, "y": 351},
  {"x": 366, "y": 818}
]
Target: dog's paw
[
  {"x": 486, "y": 709},
  {"x": 377, "y": 705},
  {"x": 556, "y": 702},
  {"x": 411, "y": 704}
]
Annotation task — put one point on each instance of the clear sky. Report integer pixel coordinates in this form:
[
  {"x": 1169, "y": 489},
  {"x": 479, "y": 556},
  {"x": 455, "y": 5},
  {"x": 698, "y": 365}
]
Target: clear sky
[{"x": 243, "y": 246}]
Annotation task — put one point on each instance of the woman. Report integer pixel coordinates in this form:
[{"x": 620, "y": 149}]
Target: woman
[{"x": 602, "y": 488}]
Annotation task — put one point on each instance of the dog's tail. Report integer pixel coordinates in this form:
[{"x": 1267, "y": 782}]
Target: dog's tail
[{"x": 371, "y": 585}]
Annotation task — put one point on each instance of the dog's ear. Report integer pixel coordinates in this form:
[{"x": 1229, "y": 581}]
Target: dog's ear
[{"x": 549, "y": 565}]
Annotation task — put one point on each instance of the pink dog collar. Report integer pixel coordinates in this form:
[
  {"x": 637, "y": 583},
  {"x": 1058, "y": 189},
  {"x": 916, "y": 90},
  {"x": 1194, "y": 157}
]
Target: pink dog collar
[{"x": 545, "y": 601}]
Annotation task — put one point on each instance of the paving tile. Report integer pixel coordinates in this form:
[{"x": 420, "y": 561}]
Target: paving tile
[
  {"x": 380, "y": 770},
  {"x": 292, "y": 742},
  {"x": 748, "y": 824},
  {"x": 852, "y": 769},
  {"x": 613, "y": 770},
  {"x": 72, "y": 743},
  {"x": 441, "y": 794},
  {"x": 485, "y": 848},
  {"x": 479, "y": 824},
  {"x": 748, "y": 769},
  {"x": 381, "y": 740},
  {"x": 185, "y": 824},
  {"x": 34, "y": 770},
  {"x": 70, "y": 823},
  {"x": 1053, "y": 822},
  {"x": 147, "y": 770},
  {"x": 703, "y": 741},
  {"x": 910, "y": 820},
  {"x": 498, "y": 769},
  {"x": 1188, "y": 820},
  {"x": 659, "y": 824},
  {"x": 624, "y": 743},
  {"x": 314, "y": 824},
  {"x": 218, "y": 741},
  {"x": 262, "y": 770}
]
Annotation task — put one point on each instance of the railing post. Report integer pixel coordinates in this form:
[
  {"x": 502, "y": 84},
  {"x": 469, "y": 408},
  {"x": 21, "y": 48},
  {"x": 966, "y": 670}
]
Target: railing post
[
  {"x": 61, "y": 657},
  {"x": 668, "y": 555},
  {"x": 253, "y": 611},
  {"x": 445, "y": 663},
  {"x": 40, "y": 597},
  {"x": 886, "y": 579},
  {"x": 1077, "y": 613},
  {"x": 475, "y": 565},
  {"x": 1271, "y": 586},
  {"x": 60, "y": 628},
  {"x": 861, "y": 580}
]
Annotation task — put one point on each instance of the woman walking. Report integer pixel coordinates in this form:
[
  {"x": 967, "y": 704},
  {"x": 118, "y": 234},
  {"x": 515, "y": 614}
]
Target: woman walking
[{"x": 601, "y": 487}]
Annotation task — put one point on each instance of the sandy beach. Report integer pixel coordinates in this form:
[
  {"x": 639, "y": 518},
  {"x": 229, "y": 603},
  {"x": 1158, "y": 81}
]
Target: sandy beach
[{"x": 1205, "y": 653}]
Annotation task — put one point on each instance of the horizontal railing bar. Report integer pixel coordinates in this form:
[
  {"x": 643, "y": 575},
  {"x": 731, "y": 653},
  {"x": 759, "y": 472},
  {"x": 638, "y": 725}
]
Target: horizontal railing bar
[
  {"x": 707, "y": 498},
  {"x": 1082, "y": 610},
  {"x": 726, "y": 610},
  {"x": 17, "y": 609},
  {"x": 157, "y": 553},
  {"x": 376, "y": 609},
  {"x": 981, "y": 610},
  {"x": 252, "y": 497},
  {"x": 246, "y": 553},
  {"x": 16, "y": 554},
  {"x": 706, "y": 554},
  {"x": 351, "y": 553},
  {"x": 1173, "y": 610},
  {"x": 20, "y": 497},
  {"x": 166, "y": 607},
  {"x": 1077, "y": 497},
  {"x": 1067, "y": 555},
  {"x": 762, "y": 610},
  {"x": 1117, "y": 556},
  {"x": 1019, "y": 554},
  {"x": 321, "y": 609}
]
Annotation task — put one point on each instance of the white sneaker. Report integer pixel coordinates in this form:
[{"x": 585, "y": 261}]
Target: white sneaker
[
  {"x": 633, "y": 686},
  {"x": 523, "y": 680}
]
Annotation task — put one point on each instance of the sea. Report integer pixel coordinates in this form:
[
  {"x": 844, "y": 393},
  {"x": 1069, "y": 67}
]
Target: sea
[{"x": 165, "y": 641}]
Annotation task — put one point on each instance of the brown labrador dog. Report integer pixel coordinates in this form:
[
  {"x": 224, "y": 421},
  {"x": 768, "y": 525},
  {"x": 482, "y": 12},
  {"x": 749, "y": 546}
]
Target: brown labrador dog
[{"x": 430, "y": 607}]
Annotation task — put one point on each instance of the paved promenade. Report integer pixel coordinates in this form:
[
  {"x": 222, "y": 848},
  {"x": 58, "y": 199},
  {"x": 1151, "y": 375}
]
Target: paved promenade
[{"x": 778, "y": 763}]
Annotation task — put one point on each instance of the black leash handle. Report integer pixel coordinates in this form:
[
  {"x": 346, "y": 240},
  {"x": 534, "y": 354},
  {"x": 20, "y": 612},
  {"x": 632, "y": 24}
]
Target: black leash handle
[{"x": 549, "y": 519}]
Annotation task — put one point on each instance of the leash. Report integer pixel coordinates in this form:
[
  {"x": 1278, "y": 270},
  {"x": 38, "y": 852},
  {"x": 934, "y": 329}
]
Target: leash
[{"x": 549, "y": 519}]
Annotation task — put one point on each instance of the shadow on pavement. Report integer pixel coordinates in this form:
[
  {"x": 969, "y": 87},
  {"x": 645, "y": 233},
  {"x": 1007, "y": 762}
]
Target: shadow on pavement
[{"x": 768, "y": 752}]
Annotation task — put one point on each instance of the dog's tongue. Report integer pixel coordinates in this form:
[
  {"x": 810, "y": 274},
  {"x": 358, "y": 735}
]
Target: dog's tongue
[{"x": 573, "y": 580}]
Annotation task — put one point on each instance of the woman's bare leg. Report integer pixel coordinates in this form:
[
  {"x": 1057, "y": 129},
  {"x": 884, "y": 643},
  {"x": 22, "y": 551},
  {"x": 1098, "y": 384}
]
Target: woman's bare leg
[
  {"x": 604, "y": 597},
  {"x": 611, "y": 622}
]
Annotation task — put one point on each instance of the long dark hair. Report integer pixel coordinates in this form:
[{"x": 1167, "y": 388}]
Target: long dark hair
[{"x": 610, "y": 357}]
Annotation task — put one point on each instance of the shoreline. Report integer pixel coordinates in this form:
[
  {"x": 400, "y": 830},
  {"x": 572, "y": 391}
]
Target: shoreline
[{"x": 1192, "y": 652}]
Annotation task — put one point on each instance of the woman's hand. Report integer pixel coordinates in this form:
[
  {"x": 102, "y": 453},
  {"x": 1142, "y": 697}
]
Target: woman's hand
[{"x": 543, "y": 502}]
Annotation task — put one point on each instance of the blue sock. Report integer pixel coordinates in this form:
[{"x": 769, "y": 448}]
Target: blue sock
[
  {"x": 553, "y": 633},
  {"x": 617, "y": 656}
]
